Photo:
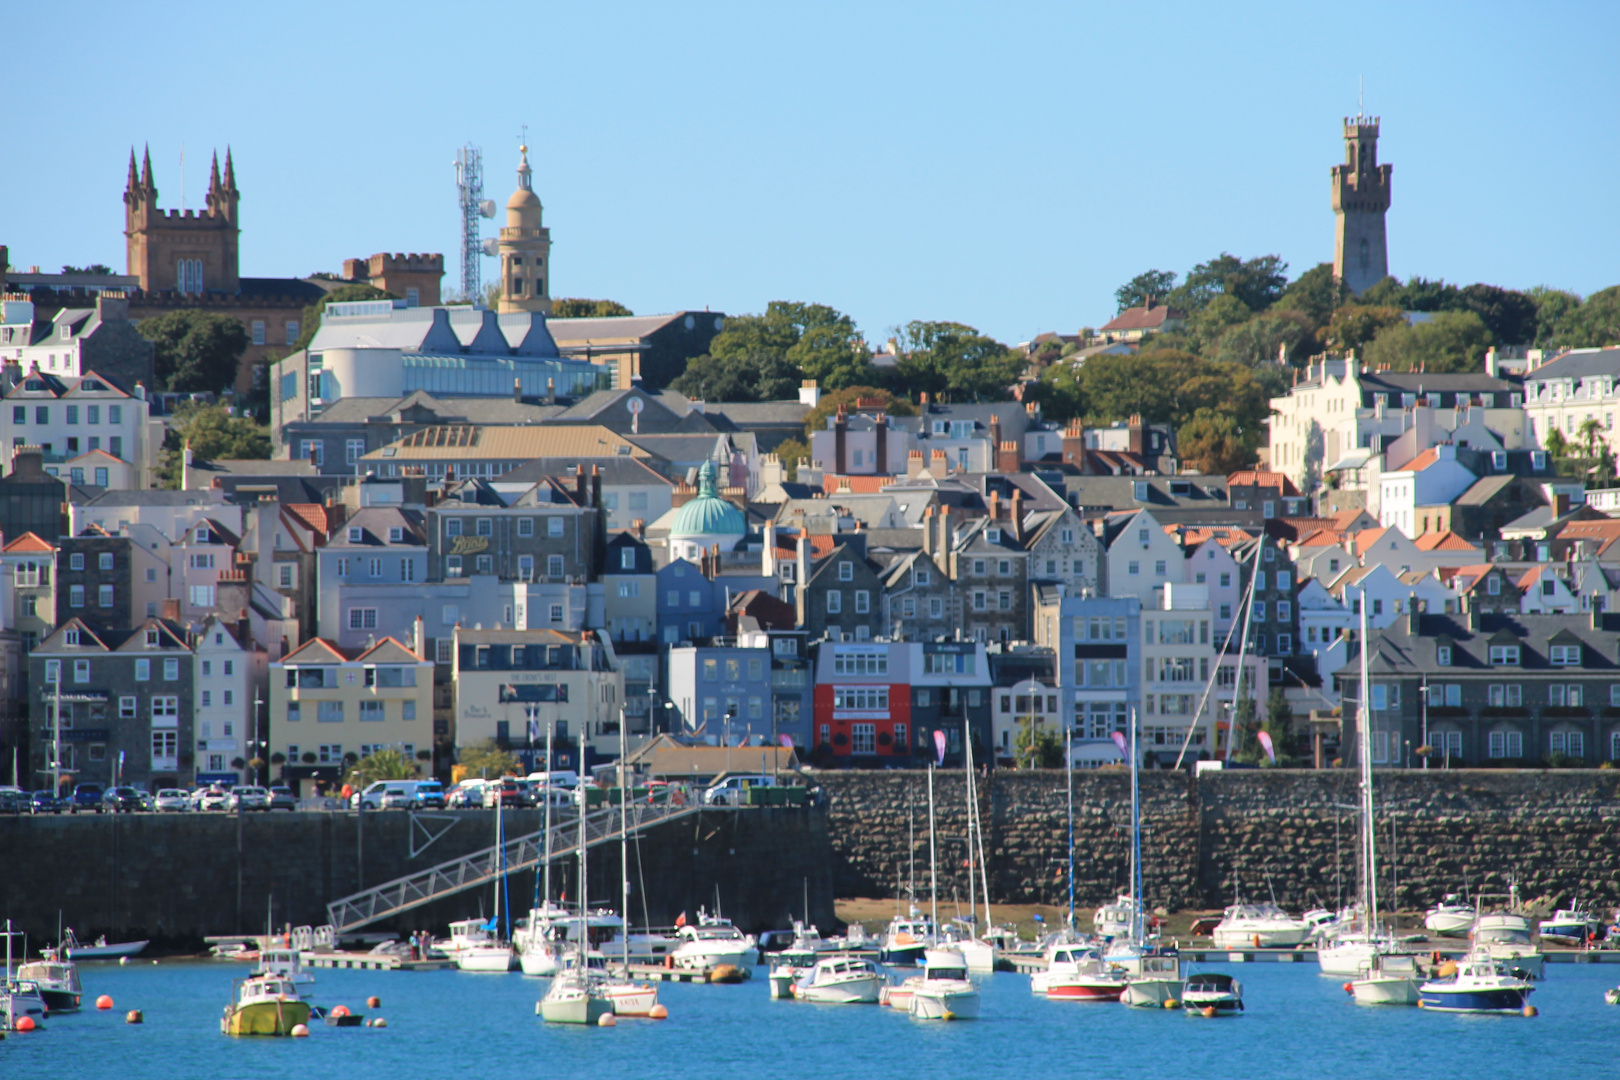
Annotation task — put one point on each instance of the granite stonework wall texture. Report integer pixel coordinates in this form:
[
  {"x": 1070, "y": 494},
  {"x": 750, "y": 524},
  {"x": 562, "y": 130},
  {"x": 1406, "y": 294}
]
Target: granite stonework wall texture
[
  {"x": 1258, "y": 833},
  {"x": 177, "y": 878}
]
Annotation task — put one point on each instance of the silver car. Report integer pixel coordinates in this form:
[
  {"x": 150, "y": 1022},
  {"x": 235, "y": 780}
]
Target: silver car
[
  {"x": 249, "y": 798},
  {"x": 173, "y": 801}
]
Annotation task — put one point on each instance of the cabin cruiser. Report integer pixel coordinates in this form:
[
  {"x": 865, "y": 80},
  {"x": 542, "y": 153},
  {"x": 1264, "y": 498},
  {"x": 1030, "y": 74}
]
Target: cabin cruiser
[
  {"x": 465, "y": 934},
  {"x": 944, "y": 991},
  {"x": 1077, "y": 973},
  {"x": 1259, "y": 926},
  {"x": 1504, "y": 933},
  {"x": 1576, "y": 925},
  {"x": 906, "y": 939},
  {"x": 1156, "y": 982},
  {"x": 840, "y": 980},
  {"x": 1115, "y": 919},
  {"x": 1451, "y": 917},
  {"x": 807, "y": 945},
  {"x": 1480, "y": 985},
  {"x": 712, "y": 942}
]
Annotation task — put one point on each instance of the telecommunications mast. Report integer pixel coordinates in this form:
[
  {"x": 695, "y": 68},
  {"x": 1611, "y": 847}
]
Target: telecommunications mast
[{"x": 470, "y": 189}]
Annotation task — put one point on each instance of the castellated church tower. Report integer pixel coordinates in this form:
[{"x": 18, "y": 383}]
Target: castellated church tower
[
  {"x": 191, "y": 252},
  {"x": 525, "y": 249},
  {"x": 1360, "y": 200}
]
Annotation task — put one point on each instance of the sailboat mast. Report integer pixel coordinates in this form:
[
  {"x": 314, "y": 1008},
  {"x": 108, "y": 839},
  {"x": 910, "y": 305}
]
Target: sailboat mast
[
  {"x": 933, "y": 862},
  {"x": 1068, "y": 768},
  {"x": 624, "y": 842},
  {"x": 1138, "y": 929},
  {"x": 1243, "y": 651},
  {"x": 546, "y": 830},
  {"x": 967, "y": 788},
  {"x": 1368, "y": 840}
]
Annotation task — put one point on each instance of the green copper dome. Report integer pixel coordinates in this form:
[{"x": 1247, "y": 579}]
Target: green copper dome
[{"x": 708, "y": 514}]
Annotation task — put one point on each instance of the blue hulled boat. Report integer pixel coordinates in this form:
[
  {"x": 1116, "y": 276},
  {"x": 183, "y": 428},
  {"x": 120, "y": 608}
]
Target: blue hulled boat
[{"x": 1480, "y": 985}]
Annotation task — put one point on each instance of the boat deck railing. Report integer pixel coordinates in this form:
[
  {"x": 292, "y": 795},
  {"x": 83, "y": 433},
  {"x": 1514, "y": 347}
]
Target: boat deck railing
[{"x": 483, "y": 867}]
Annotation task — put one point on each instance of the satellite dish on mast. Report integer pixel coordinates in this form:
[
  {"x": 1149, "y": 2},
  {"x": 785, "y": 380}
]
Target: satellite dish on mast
[{"x": 487, "y": 208}]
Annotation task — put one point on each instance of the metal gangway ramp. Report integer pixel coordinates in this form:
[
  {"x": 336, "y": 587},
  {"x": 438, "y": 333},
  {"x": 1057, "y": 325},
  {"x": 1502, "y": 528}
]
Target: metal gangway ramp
[{"x": 482, "y": 867}]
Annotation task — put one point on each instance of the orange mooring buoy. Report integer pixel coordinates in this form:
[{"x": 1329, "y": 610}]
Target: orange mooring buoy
[{"x": 104, "y": 1001}]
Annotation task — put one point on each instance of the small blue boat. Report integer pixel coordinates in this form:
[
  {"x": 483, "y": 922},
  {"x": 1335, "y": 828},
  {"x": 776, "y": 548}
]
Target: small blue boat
[{"x": 1479, "y": 986}]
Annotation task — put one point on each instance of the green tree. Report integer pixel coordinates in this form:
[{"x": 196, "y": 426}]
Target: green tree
[
  {"x": 93, "y": 268},
  {"x": 213, "y": 435},
  {"x": 1058, "y": 391},
  {"x": 1590, "y": 431},
  {"x": 791, "y": 451},
  {"x": 1036, "y": 746},
  {"x": 1355, "y": 326},
  {"x": 310, "y": 321},
  {"x": 1279, "y": 333},
  {"x": 389, "y": 764},
  {"x": 195, "y": 350},
  {"x": 1509, "y": 315},
  {"x": 1258, "y": 283},
  {"x": 1155, "y": 283},
  {"x": 1553, "y": 309},
  {"x": 571, "y": 307},
  {"x": 1316, "y": 294},
  {"x": 791, "y": 341},
  {"x": 1415, "y": 294},
  {"x": 1595, "y": 323},
  {"x": 1214, "y": 442},
  {"x": 1208, "y": 325},
  {"x": 1244, "y": 737},
  {"x": 816, "y": 418},
  {"x": 1450, "y": 341},
  {"x": 953, "y": 360},
  {"x": 761, "y": 376},
  {"x": 1285, "y": 741},
  {"x": 486, "y": 759},
  {"x": 1556, "y": 444}
]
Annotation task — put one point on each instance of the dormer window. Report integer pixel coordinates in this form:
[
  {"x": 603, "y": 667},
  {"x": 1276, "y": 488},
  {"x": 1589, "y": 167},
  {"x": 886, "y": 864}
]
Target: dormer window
[
  {"x": 993, "y": 535},
  {"x": 71, "y": 637},
  {"x": 354, "y": 535},
  {"x": 203, "y": 535},
  {"x": 1442, "y": 655},
  {"x": 396, "y": 534},
  {"x": 1504, "y": 655},
  {"x": 1565, "y": 655},
  {"x": 1538, "y": 460},
  {"x": 1499, "y": 460},
  {"x": 152, "y": 637},
  {"x": 846, "y": 571}
]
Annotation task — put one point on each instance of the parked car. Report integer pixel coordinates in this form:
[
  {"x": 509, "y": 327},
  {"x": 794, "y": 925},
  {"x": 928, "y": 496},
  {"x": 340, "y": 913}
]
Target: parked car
[
  {"x": 733, "y": 790},
  {"x": 467, "y": 795},
  {"x": 46, "y": 801},
  {"x": 121, "y": 800},
  {"x": 172, "y": 801},
  {"x": 372, "y": 797},
  {"x": 248, "y": 798},
  {"x": 211, "y": 798},
  {"x": 282, "y": 798},
  {"x": 430, "y": 795},
  {"x": 11, "y": 800},
  {"x": 86, "y": 797},
  {"x": 148, "y": 800},
  {"x": 507, "y": 792}
]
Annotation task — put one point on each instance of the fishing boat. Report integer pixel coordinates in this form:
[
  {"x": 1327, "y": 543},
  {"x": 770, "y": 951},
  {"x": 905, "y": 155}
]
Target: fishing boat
[
  {"x": 1451, "y": 917},
  {"x": 1480, "y": 985},
  {"x": 73, "y": 949},
  {"x": 19, "y": 997},
  {"x": 906, "y": 938},
  {"x": 1078, "y": 973},
  {"x": 1503, "y": 930},
  {"x": 1115, "y": 919},
  {"x": 944, "y": 991},
  {"x": 57, "y": 982},
  {"x": 1212, "y": 994},
  {"x": 287, "y": 963},
  {"x": 264, "y": 1005},
  {"x": 840, "y": 980},
  {"x": 807, "y": 946},
  {"x": 1157, "y": 984},
  {"x": 1575, "y": 925},
  {"x": 465, "y": 934},
  {"x": 1387, "y": 979},
  {"x": 1259, "y": 926}
]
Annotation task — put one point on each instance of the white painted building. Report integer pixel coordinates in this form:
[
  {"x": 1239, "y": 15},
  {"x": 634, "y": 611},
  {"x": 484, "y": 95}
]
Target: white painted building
[
  {"x": 67, "y": 417},
  {"x": 228, "y": 677}
]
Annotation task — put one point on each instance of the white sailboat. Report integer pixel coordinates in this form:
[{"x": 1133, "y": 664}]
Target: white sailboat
[
  {"x": 1370, "y": 953},
  {"x": 576, "y": 995},
  {"x": 629, "y": 997},
  {"x": 493, "y": 954},
  {"x": 976, "y": 948},
  {"x": 1152, "y": 972},
  {"x": 538, "y": 953}
]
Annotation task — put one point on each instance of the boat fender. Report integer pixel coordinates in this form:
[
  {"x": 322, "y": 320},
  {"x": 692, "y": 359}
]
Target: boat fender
[
  {"x": 105, "y": 1001},
  {"x": 669, "y": 962},
  {"x": 1172, "y": 1003},
  {"x": 1257, "y": 941},
  {"x": 25, "y": 1023},
  {"x": 1530, "y": 1010},
  {"x": 300, "y": 1031},
  {"x": 134, "y": 1017},
  {"x": 1209, "y": 1011},
  {"x": 1349, "y": 988},
  {"x": 608, "y": 1020}
]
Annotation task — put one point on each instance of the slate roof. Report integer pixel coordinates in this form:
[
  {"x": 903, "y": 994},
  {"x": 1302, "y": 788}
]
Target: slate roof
[
  {"x": 1578, "y": 364},
  {"x": 1396, "y": 650},
  {"x": 1142, "y": 318}
]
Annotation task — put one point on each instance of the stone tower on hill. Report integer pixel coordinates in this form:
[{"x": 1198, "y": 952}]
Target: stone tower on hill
[
  {"x": 188, "y": 251},
  {"x": 525, "y": 249},
  {"x": 1360, "y": 200}
]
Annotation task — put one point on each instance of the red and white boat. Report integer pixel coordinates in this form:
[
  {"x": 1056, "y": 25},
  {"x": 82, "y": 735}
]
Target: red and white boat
[{"x": 1078, "y": 973}]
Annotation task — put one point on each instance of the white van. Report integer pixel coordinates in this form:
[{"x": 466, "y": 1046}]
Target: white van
[
  {"x": 372, "y": 797},
  {"x": 562, "y": 778},
  {"x": 733, "y": 790}
]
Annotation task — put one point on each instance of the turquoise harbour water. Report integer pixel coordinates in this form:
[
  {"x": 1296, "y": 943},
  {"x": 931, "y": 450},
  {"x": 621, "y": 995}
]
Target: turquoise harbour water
[{"x": 450, "y": 1024}]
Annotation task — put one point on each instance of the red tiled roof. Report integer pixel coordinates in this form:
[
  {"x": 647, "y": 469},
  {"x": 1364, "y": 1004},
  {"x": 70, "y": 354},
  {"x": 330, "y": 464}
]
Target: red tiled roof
[
  {"x": 1422, "y": 461},
  {"x": 311, "y": 514},
  {"x": 1474, "y": 575},
  {"x": 857, "y": 485},
  {"x": 1143, "y": 318},
  {"x": 1443, "y": 541},
  {"x": 1263, "y": 478},
  {"x": 30, "y": 542},
  {"x": 1366, "y": 538},
  {"x": 1319, "y": 538}
]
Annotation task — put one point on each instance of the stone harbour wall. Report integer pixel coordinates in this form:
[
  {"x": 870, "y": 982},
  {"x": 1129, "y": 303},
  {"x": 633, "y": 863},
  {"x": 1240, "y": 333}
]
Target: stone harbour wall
[{"x": 1288, "y": 833}]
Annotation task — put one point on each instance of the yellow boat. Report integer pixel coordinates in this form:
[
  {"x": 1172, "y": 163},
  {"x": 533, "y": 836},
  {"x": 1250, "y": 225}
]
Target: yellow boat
[{"x": 264, "y": 1005}]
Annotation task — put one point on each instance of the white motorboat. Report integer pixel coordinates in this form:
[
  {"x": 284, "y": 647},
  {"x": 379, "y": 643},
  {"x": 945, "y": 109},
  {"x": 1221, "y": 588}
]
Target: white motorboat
[
  {"x": 497, "y": 956},
  {"x": 20, "y": 998},
  {"x": 944, "y": 991},
  {"x": 1078, "y": 973},
  {"x": 1212, "y": 994},
  {"x": 783, "y": 976},
  {"x": 1479, "y": 986},
  {"x": 494, "y": 953},
  {"x": 1503, "y": 933},
  {"x": 979, "y": 956},
  {"x": 73, "y": 949},
  {"x": 1387, "y": 979},
  {"x": 840, "y": 980},
  {"x": 711, "y": 942},
  {"x": 1259, "y": 926},
  {"x": 1451, "y": 917},
  {"x": 1115, "y": 919},
  {"x": 1158, "y": 983},
  {"x": 57, "y": 982},
  {"x": 807, "y": 946},
  {"x": 1351, "y": 950},
  {"x": 1576, "y": 925},
  {"x": 465, "y": 934}
]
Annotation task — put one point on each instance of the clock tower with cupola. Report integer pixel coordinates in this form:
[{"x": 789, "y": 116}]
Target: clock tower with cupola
[{"x": 525, "y": 249}]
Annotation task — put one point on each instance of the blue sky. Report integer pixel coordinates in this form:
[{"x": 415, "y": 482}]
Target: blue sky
[{"x": 1005, "y": 165}]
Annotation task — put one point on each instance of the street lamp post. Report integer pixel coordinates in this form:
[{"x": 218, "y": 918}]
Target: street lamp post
[
  {"x": 258, "y": 770},
  {"x": 1423, "y": 704}
]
